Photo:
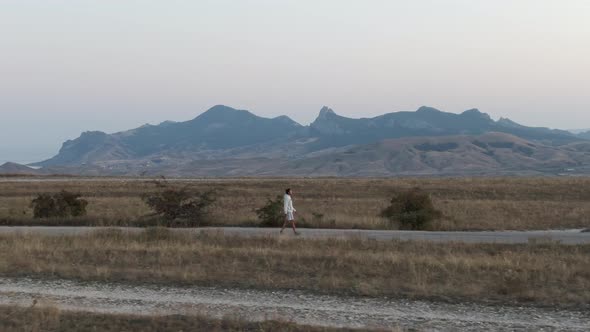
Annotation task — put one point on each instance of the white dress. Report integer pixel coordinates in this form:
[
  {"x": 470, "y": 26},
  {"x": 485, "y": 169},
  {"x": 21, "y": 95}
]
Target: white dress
[{"x": 288, "y": 207}]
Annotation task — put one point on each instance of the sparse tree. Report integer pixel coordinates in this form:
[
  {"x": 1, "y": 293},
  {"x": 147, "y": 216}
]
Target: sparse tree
[
  {"x": 180, "y": 205},
  {"x": 271, "y": 214},
  {"x": 412, "y": 209},
  {"x": 60, "y": 205}
]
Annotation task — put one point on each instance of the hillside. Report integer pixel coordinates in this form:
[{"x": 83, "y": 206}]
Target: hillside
[
  {"x": 487, "y": 154},
  {"x": 335, "y": 130},
  {"x": 218, "y": 129},
  {"x": 227, "y": 142},
  {"x": 14, "y": 168},
  {"x": 490, "y": 153}
]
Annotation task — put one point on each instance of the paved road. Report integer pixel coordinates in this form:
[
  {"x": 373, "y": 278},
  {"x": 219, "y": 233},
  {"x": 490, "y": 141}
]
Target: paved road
[
  {"x": 296, "y": 306},
  {"x": 564, "y": 237}
]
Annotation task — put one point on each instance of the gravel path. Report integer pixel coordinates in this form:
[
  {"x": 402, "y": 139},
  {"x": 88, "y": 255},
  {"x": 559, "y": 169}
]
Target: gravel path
[
  {"x": 295, "y": 306},
  {"x": 565, "y": 237}
]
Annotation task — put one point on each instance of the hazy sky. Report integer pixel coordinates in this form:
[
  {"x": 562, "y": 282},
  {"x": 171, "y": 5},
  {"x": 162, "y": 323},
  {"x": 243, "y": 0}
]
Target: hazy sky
[{"x": 75, "y": 65}]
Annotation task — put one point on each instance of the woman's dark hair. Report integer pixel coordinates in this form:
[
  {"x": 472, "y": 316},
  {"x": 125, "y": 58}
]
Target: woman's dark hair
[{"x": 288, "y": 191}]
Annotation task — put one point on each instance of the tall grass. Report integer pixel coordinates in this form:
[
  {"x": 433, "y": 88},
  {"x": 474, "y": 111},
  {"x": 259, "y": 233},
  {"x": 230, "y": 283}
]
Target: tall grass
[
  {"x": 466, "y": 203},
  {"x": 542, "y": 273}
]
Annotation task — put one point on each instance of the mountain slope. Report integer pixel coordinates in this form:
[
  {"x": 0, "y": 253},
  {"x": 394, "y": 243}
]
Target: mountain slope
[
  {"x": 219, "y": 128},
  {"x": 336, "y": 130},
  {"x": 490, "y": 153},
  {"x": 226, "y": 141},
  {"x": 14, "y": 168},
  {"x": 487, "y": 154}
]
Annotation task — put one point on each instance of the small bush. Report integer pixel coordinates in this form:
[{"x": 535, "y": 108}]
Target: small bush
[
  {"x": 181, "y": 206},
  {"x": 272, "y": 213},
  {"x": 61, "y": 205},
  {"x": 412, "y": 209}
]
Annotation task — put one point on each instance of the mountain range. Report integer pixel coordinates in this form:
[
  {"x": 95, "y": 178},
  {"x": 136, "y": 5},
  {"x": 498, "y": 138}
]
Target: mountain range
[{"x": 227, "y": 142}]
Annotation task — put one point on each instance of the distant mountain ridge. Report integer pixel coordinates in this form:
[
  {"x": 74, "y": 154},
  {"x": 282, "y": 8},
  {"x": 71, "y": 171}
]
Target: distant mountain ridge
[
  {"x": 219, "y": 128},
  {"x": 224, "y": 134},
  {"x": 14, "y": 168},
  {"x": 426, "y": 121}
]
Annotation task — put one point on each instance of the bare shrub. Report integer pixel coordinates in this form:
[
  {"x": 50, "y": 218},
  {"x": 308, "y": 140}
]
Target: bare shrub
[
  {"x": 271, "y": 214},
  {"x": 59, "y": 205},
  {"x": 412, "y": 209},
  {"x": 180, "y": 205}
]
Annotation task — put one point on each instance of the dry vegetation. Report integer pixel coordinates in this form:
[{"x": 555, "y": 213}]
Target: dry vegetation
[
  {"x": 465, "y": 203},
  {"x": 546, "y": 273},
  {"x": 49, "y": 319}
]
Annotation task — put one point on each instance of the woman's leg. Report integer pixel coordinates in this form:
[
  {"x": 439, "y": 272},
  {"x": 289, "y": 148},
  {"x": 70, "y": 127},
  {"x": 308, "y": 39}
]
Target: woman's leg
[{"x": 284, "y": 223}]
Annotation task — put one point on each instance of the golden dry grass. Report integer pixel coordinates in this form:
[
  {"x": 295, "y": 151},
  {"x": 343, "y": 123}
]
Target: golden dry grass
[
  {"x": 466, "y": 203},
  {"x": 50, "y": 319},
  {"x": 540, "y": 273}
]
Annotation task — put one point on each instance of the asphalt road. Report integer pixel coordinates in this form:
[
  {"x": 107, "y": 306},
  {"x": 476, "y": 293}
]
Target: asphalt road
[{"x": 564, "y": 237}]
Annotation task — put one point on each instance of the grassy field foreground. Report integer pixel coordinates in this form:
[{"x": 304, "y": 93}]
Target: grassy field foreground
[
  {"x": 465, "y": 203},
  {"x": 48, "y": 319},
  {"x": 541, "y": 273}
]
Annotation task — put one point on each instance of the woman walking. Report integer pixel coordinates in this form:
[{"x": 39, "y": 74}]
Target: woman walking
[{"x": 289, "y": 211}]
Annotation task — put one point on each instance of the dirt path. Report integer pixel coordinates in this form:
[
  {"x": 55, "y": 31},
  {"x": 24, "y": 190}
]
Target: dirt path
[
  {"x": 295, "y": 306},
  {"x": 564, "y": 237}
]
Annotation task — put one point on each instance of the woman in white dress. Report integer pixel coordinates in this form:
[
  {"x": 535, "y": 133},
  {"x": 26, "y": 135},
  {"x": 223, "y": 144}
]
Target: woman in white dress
[{"x": 289, "y": 211}]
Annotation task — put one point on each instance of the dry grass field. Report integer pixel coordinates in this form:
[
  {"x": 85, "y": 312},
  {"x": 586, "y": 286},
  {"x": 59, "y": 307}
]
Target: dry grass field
[
  {"x": 49, "y": 319},
  {"x": 466, "y": 203},
  {"x": 550, "y": 274}
]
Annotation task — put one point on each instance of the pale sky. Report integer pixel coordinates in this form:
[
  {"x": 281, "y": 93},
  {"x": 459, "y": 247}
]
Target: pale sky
[{"x": 74, "y": 65}]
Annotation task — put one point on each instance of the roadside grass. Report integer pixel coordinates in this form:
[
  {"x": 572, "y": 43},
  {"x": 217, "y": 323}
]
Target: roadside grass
[
  {"x": 539, "y": 273},
  {"x": 465, "y": 203},
  {"x": 51, "y": 319}
]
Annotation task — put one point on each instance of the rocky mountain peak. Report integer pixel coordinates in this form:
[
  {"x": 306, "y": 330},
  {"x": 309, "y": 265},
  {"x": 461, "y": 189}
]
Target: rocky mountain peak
[
  {"x": 219, "y": 112},
  {"x": 327, "y": 122},
  {"x": 508, "y": 123},
  {"x": 474, "y": 112},
  {"x": 427, "y": 109},
  {"x": 325, "y": 112},
  {"x": 286, "y": 120}
]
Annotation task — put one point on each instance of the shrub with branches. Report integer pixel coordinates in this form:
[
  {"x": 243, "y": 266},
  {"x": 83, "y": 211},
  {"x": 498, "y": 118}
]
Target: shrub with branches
[
  {"x": 271, "y": 214},
  {"x": 412, "y": 209},
  {"x": 59, "y": 205},
  {"x": 180, "y": 205}
]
